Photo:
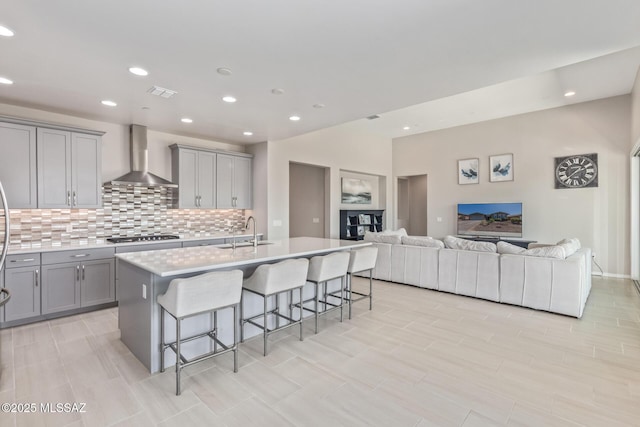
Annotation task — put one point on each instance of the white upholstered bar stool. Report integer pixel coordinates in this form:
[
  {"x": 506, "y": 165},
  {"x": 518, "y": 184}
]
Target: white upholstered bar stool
[
  {"x": 321, "y": 270},
  {"x": 206, "y": 293},
  {"x": 272, "y": 280},
  {"x": 361, "y": 260}
]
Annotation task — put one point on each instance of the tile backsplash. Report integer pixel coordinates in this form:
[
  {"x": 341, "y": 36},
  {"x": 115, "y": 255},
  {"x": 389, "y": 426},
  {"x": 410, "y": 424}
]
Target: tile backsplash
[{"x": 126, "y": 211}]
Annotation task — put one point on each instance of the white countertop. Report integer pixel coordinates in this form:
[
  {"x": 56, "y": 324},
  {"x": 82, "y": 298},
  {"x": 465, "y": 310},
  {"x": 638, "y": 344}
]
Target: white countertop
[
  {"x": 173, "y": 262},
  {"x": 102, "y": 243}
]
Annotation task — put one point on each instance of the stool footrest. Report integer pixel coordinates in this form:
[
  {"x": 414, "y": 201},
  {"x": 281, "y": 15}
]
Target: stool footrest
[{"x": 268, "y": 331}]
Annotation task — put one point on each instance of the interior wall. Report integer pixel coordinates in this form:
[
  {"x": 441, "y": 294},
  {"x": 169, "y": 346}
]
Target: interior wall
[
  {"x": 418, "y": 212},
  {"x": 403, "y": 203},
  {"x": 260, "y": 186},
  {"x": 306, "y": 200},
  {"x": 599, "y": 217},
  {"x": 635, "y": 111},
  {"x": 345, "y": 147},
  {"x": 115, "y": 141}
]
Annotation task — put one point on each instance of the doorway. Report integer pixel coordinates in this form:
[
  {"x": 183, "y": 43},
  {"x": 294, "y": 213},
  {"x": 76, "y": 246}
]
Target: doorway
[
  {"x": 412, "y": 204},
  {"x": 307, "y": 200}
]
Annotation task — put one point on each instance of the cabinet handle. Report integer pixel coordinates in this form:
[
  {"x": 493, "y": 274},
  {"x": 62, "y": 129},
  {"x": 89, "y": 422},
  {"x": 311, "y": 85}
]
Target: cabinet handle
[
  {"x": 68, "y": 198},
  {"x": 196, "y": 201},
  {"x": 78, "y": 273},
  {"x": 199, "y": 201},
  {"x": 37, "y": 277},
  {"x": 75, "y": 199},
  {"x": 80, "y": 255},
  {"x": 83, "y": 272},
  {"x": 23, "y": 260}
]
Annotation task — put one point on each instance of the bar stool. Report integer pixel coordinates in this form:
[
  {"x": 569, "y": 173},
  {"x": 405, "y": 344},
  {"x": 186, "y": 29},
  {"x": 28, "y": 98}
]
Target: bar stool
[
  {"x": 321, "y": 270},
  {"x": 206, "y": 293},
  {"x": 361, "y": 260},
  {"x": 273, "y": 280}
]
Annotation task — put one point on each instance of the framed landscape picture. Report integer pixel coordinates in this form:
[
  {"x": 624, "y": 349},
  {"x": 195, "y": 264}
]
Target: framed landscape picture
[
  {"x": 468, "y": 171},
  {"x": 356, "y": 191},
  {"x": 501, "y": 168}
]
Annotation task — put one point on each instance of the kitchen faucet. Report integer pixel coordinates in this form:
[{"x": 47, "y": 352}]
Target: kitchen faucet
[{"x": 255, "y": 232}]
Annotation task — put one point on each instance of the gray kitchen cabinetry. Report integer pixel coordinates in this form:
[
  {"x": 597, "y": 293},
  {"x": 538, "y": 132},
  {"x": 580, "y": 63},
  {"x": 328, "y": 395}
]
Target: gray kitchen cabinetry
[
  {"x": 18, "y": 165},
  {"x": 22, "y": 278},
  {"x": 76, "y": 279},
  {"x": 209, "y": 242},
  {"x": 195, "y": 173},
  {"x": 69, "y": 169},
  {"x": 234, "y": 182}
]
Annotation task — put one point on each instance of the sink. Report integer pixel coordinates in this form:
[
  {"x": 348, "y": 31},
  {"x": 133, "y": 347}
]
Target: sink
[{"x": 244, "y": 244}]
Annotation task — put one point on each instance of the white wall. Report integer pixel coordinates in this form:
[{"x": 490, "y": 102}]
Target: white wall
[
  {"x": 599, "y": 217},
  {"x": 340, "y": 148},
  {"x": 115, "y": 141},
  {"x": 635, "y": 111}
]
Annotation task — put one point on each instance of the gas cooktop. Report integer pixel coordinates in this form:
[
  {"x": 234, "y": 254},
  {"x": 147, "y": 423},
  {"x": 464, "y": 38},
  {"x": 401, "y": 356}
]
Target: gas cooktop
[{"x": 141, "y": 238}]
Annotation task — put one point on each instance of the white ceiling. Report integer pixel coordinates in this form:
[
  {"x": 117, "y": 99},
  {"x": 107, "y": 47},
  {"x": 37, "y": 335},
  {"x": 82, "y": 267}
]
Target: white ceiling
[{"x": 426, "y": 64}]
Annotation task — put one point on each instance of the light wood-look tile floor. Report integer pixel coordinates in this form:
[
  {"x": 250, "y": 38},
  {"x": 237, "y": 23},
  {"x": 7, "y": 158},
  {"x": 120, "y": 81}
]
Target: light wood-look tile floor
[{"x": 420, "y": 358}]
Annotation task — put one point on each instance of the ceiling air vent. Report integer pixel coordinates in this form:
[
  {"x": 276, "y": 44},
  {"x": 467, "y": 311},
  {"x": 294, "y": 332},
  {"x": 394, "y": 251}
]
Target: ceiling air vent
[
  {"x": 375, "y": 116},
  {"x": 160, "y": 91}
]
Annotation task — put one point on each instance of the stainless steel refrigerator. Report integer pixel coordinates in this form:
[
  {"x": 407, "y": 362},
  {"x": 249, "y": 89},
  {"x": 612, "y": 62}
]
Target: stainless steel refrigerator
[{"x": 4, "y": 293}]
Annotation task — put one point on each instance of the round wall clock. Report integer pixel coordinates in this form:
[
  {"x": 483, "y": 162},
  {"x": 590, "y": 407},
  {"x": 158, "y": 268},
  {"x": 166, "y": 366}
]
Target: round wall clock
[{"x": 578, "y": 171}]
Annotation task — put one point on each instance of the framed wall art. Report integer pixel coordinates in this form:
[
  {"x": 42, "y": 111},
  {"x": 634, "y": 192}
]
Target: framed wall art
[
  {"x": 468, "y": 171},
  {"x": 501, "y": 168}
]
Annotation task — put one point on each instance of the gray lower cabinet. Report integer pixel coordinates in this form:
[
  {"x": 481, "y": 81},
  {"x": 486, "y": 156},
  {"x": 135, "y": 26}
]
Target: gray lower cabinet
[
  {"x": 24, "y": 285},
  {"x": 22, "y": 277},
  {"x": 75, "y": 279},
  {"x": 210, "y": 242},
  {"x": 60, "y": 287}
]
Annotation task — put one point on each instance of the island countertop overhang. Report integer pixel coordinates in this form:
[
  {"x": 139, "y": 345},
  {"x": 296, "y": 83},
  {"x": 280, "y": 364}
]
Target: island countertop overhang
[{"x": 179, "y": 261}]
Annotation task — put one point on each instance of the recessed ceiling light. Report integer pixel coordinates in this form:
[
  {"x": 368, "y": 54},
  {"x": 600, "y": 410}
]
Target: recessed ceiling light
[
  {"x": 6, "y": 81},
  {"x": 6, "y": 32},
  {"x": 277, "y": 91},
  {"x": 224, "y": 71},
  {"x": 186, "y": 120},
  {"x": 294, "y": 118},
  {"x": 247, "y": 133},
  {"x": 109, "y": 103},
  {"x": 569, "y": 93},
  {"x": 318, "y": 105},
  {"x": 406, "y": 128},
  {"x": 138, "y": 71},
  {"x": 229, "y": 99}
]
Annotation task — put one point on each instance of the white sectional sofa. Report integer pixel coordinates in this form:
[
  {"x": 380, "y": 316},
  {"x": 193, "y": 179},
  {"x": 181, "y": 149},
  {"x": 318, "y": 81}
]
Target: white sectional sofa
[{"x": 555, "y": 284}]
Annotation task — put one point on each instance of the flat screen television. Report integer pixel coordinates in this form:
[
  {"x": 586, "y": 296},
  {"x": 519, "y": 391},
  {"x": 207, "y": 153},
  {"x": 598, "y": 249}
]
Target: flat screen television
[{"x": 490, "y": 219}]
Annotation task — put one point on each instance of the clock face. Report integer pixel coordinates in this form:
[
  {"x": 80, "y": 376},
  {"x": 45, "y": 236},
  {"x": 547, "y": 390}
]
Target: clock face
[{"x": 577, "y": 171}]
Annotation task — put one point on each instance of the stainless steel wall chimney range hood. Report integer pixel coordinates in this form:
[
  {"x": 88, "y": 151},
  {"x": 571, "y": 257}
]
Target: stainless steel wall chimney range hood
[{"x": 140, "y": 175}]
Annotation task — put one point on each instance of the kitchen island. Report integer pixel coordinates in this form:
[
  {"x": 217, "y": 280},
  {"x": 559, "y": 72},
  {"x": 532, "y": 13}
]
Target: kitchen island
[{"x": 142, "y": 276}]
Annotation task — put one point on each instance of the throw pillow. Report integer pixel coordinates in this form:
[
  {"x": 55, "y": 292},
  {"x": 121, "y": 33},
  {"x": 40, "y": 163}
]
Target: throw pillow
[
  {"x": 453, "y": 242},
  {"x": 508, "y": 248},
  {"x": 556, "y": 251},
  {"x": 427, "y": 241},
  {"x": 392, "y": 239}
]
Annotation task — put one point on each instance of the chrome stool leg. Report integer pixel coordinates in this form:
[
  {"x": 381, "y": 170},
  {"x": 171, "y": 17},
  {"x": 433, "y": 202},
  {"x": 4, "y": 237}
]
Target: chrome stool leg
[
  {"x": 370, "y": 289},
  {"x": 235, "y": 338},
  {"x": 350, "y": 284},
  {"x": 317, "y": 314},
  {"x": 241, "y": 320},
  {"x": 301, "y": 338},
  {"x": 265, "y": 334},
  {"x": 178, "y": 361},
  {"x": 162, "y": 339}
]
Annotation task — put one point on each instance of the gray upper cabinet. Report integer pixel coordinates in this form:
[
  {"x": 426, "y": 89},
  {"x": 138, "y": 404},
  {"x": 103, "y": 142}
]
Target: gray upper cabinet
[
  {"x": 211, "y": 178},
  {"x": 69, "y": 169},
  {"x": 86, "y": 170},
  {"x": 54, "y": 168},
  {"x": 195, "y": 173},
  {"x": 18, "y": 165},
  {"x": 235, "y": 182}
]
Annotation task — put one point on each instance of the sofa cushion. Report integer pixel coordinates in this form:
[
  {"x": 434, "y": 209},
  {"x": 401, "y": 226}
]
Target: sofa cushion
[
  {"x": 386, "y": 236},
  {"x": 554, "y": 251},
  {"x": 508, "y": 248},
  {"x": 422, "y": 241},
  {"x": 570, "y": 246},
  {"x": 453, "y": 242}
]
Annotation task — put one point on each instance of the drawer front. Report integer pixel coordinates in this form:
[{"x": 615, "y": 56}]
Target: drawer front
[
  {"x": 210, "y": 242},
  {"x": 148, "y": 247},
  {"x": 23, "y": 260},
  {"x": 76, "y": 255}
]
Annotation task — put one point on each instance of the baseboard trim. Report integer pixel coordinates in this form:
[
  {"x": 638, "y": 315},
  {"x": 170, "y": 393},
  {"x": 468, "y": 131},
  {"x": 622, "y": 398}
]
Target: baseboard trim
[{"x": 613, "y": 275}]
